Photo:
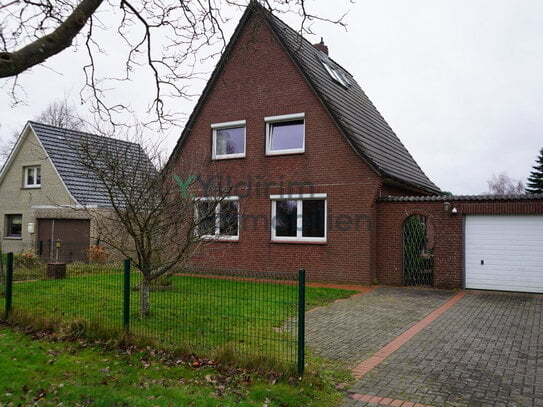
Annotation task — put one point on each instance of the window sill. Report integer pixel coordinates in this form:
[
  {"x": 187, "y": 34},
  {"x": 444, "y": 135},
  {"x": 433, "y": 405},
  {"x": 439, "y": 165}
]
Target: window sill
[
  {"x": 220, "y": 238},
  {"x": 226, "y": 157},
  {"x": 13, "y": 238},
  {"x": 31, "y": 187},
  {"x": 284, "y": 152},
  {"x": 318, "y": 242}
]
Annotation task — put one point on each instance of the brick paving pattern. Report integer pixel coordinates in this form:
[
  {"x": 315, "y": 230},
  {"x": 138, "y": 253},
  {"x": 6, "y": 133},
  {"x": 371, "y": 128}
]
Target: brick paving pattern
[
  {"x": 370, "y": 363},
  {"x": 354, "y": 329},
  {"x": 487, "y": 350}
]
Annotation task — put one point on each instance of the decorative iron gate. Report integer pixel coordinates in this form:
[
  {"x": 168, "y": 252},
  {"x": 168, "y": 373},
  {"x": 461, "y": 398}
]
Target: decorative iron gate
[{"x": 418, "y": 251}]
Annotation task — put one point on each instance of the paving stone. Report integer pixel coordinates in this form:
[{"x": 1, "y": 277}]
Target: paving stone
[
  {"x": 484, "y": 351},
  {"x": 354, "y": 329}
]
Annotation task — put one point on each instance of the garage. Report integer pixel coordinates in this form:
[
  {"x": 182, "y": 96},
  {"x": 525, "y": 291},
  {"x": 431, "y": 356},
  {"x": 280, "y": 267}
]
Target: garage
[
  {"x": 67, "y": 239},
  {"x": 504, "y": 252}
]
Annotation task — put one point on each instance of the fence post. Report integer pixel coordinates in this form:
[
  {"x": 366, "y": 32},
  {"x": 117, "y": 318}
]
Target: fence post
[
  {"x": 9, "y": 284},
  {"x": 126, "y": 296},
  {"x": 301, "y": 322}
]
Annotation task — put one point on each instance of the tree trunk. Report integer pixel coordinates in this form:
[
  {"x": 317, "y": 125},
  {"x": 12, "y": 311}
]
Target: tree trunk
[{"x": 145, "y": 304}]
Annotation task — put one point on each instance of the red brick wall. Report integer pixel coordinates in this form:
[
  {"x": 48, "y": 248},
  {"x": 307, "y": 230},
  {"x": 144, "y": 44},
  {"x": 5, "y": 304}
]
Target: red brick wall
[
  {"x": 448, "y": 230},
  {"x": 260, "y": 80}
]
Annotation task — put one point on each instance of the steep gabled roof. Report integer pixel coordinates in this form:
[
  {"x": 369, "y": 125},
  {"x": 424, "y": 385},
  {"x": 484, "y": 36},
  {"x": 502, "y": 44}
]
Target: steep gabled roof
[
  {"x": 355, "y": 115},
  {"x": 64, "y": 148}
]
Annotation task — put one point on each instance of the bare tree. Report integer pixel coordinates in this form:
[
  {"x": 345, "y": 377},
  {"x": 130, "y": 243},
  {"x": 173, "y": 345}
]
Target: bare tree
[
  {"x": 59, "y": 113},
  {"x": 502, "y": 184},
  {"x": 152, "y": 219},
  {"x": 6, "y": 147},
  {"x": 166, "y": 39}
]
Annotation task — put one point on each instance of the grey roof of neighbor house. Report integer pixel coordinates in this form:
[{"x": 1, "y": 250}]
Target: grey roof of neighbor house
[
  {"x": 356, "y": 116},
  {"x": 64, "y": 148}
]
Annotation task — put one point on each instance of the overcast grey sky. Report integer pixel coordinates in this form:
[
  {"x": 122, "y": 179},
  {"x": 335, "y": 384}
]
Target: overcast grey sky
[{"x": 460, "y": 82}]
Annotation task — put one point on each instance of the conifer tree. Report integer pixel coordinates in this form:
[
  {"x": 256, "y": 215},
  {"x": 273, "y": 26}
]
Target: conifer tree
[{"x": 534, "y": 184}]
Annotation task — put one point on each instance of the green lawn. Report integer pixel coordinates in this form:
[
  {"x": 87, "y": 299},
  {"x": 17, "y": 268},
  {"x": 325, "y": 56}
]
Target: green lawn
[
  {"x": 40, "y": 372},
  {"x": 246, "y": 319}
]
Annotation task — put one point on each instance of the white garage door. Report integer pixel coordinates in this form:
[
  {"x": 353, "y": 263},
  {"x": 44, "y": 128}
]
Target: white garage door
[{"x": 504, "y": 253}]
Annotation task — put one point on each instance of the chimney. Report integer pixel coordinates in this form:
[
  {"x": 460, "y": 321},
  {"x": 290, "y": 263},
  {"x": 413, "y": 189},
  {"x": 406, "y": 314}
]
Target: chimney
[{"x": 321, "y": 46}]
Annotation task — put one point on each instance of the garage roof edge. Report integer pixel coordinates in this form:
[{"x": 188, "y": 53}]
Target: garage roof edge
[{"x": 444, "y": 198}]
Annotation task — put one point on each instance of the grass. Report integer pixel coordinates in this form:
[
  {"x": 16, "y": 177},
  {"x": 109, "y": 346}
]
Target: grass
[
  {"x": 45, "y": 373},
  {"x": 252, "y": 323}
]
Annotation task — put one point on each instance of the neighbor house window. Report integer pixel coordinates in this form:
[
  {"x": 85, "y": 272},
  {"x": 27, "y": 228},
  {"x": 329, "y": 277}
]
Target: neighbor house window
[
  {"x": 32, "y": 177},
  {"x": 218, "y": 218},
  {"x": 299, "y": 217},
  {"x": 14, "y": 225},
  {"x": 285, "y": 134},
  {"x": 228, "y": 140}
]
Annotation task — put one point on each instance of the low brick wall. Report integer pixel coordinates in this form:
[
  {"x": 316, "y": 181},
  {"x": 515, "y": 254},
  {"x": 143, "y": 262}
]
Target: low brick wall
[{"x": 448, "y": 233}]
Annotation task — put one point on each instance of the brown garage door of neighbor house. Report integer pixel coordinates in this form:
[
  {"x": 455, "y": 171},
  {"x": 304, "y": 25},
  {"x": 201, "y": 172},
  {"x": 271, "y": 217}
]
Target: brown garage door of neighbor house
[{"x": 73, "y": 235}]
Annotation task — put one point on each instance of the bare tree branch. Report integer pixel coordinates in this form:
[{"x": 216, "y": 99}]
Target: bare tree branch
[
  {"x": 13, "y": 63},
  {"x": 163, "y": 41}
]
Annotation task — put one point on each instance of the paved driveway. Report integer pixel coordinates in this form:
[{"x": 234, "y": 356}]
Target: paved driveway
[{"x": 485, "y": 350}]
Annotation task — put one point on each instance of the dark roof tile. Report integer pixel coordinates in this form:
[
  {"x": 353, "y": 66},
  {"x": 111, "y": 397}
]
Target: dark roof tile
[{"x": 64, "y": 148}]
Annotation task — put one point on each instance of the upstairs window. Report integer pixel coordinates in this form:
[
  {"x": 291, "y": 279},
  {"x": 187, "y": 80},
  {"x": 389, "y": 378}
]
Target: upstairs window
[
  {"x": 32, "y": 177},
  {"x": 228, "y": 140},
  {"x": 218, "y": 218},
  {"x": 285, "y": 134},
  {"x": 299, "y": 218},
  {"x": 14, "y": 225}
]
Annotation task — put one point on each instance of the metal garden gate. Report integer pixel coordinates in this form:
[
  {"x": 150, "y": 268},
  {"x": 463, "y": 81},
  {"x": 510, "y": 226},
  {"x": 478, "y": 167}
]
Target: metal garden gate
[{"x": 418, "y": 251}]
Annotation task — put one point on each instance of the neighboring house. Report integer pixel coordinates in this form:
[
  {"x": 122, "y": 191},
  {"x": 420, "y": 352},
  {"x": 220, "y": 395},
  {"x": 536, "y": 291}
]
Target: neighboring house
[
  {"x": 313, "y": 169},
  {"x": 47, "y": 194}
]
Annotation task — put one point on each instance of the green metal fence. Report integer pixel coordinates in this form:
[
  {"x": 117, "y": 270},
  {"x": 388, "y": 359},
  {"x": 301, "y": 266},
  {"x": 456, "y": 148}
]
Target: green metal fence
[{"x": 239, "y": 314}]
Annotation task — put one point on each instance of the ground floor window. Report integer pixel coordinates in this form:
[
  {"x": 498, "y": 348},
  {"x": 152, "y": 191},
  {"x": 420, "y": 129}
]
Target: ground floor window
[
  {"x": 14, "y": 225},
  {"x": 218, "y": 218},
  {"x": 299, "y": 217}
]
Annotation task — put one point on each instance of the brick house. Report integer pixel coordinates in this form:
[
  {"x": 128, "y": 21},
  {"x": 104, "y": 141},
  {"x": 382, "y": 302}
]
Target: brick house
[{"x": 314, "y": 170}]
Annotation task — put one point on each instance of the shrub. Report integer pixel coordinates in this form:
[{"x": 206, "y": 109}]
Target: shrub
[
  {"x": 26, "y": 259},
  {"x": 97, "y": 254}
]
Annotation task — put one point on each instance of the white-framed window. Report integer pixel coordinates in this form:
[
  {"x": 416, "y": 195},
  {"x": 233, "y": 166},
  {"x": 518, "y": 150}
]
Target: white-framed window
[
  {"x": 218, "y": 218},
  {"x": 14, "y": 226},
  {"x": 228, "y": 140},
  {"x": 285, "y": 134},
  {"x": 301, "y": 217},
  {"x": 32, "y": 176}
]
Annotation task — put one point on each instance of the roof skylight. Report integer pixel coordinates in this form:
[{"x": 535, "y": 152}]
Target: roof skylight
[{"x": 336, "y": 74}]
